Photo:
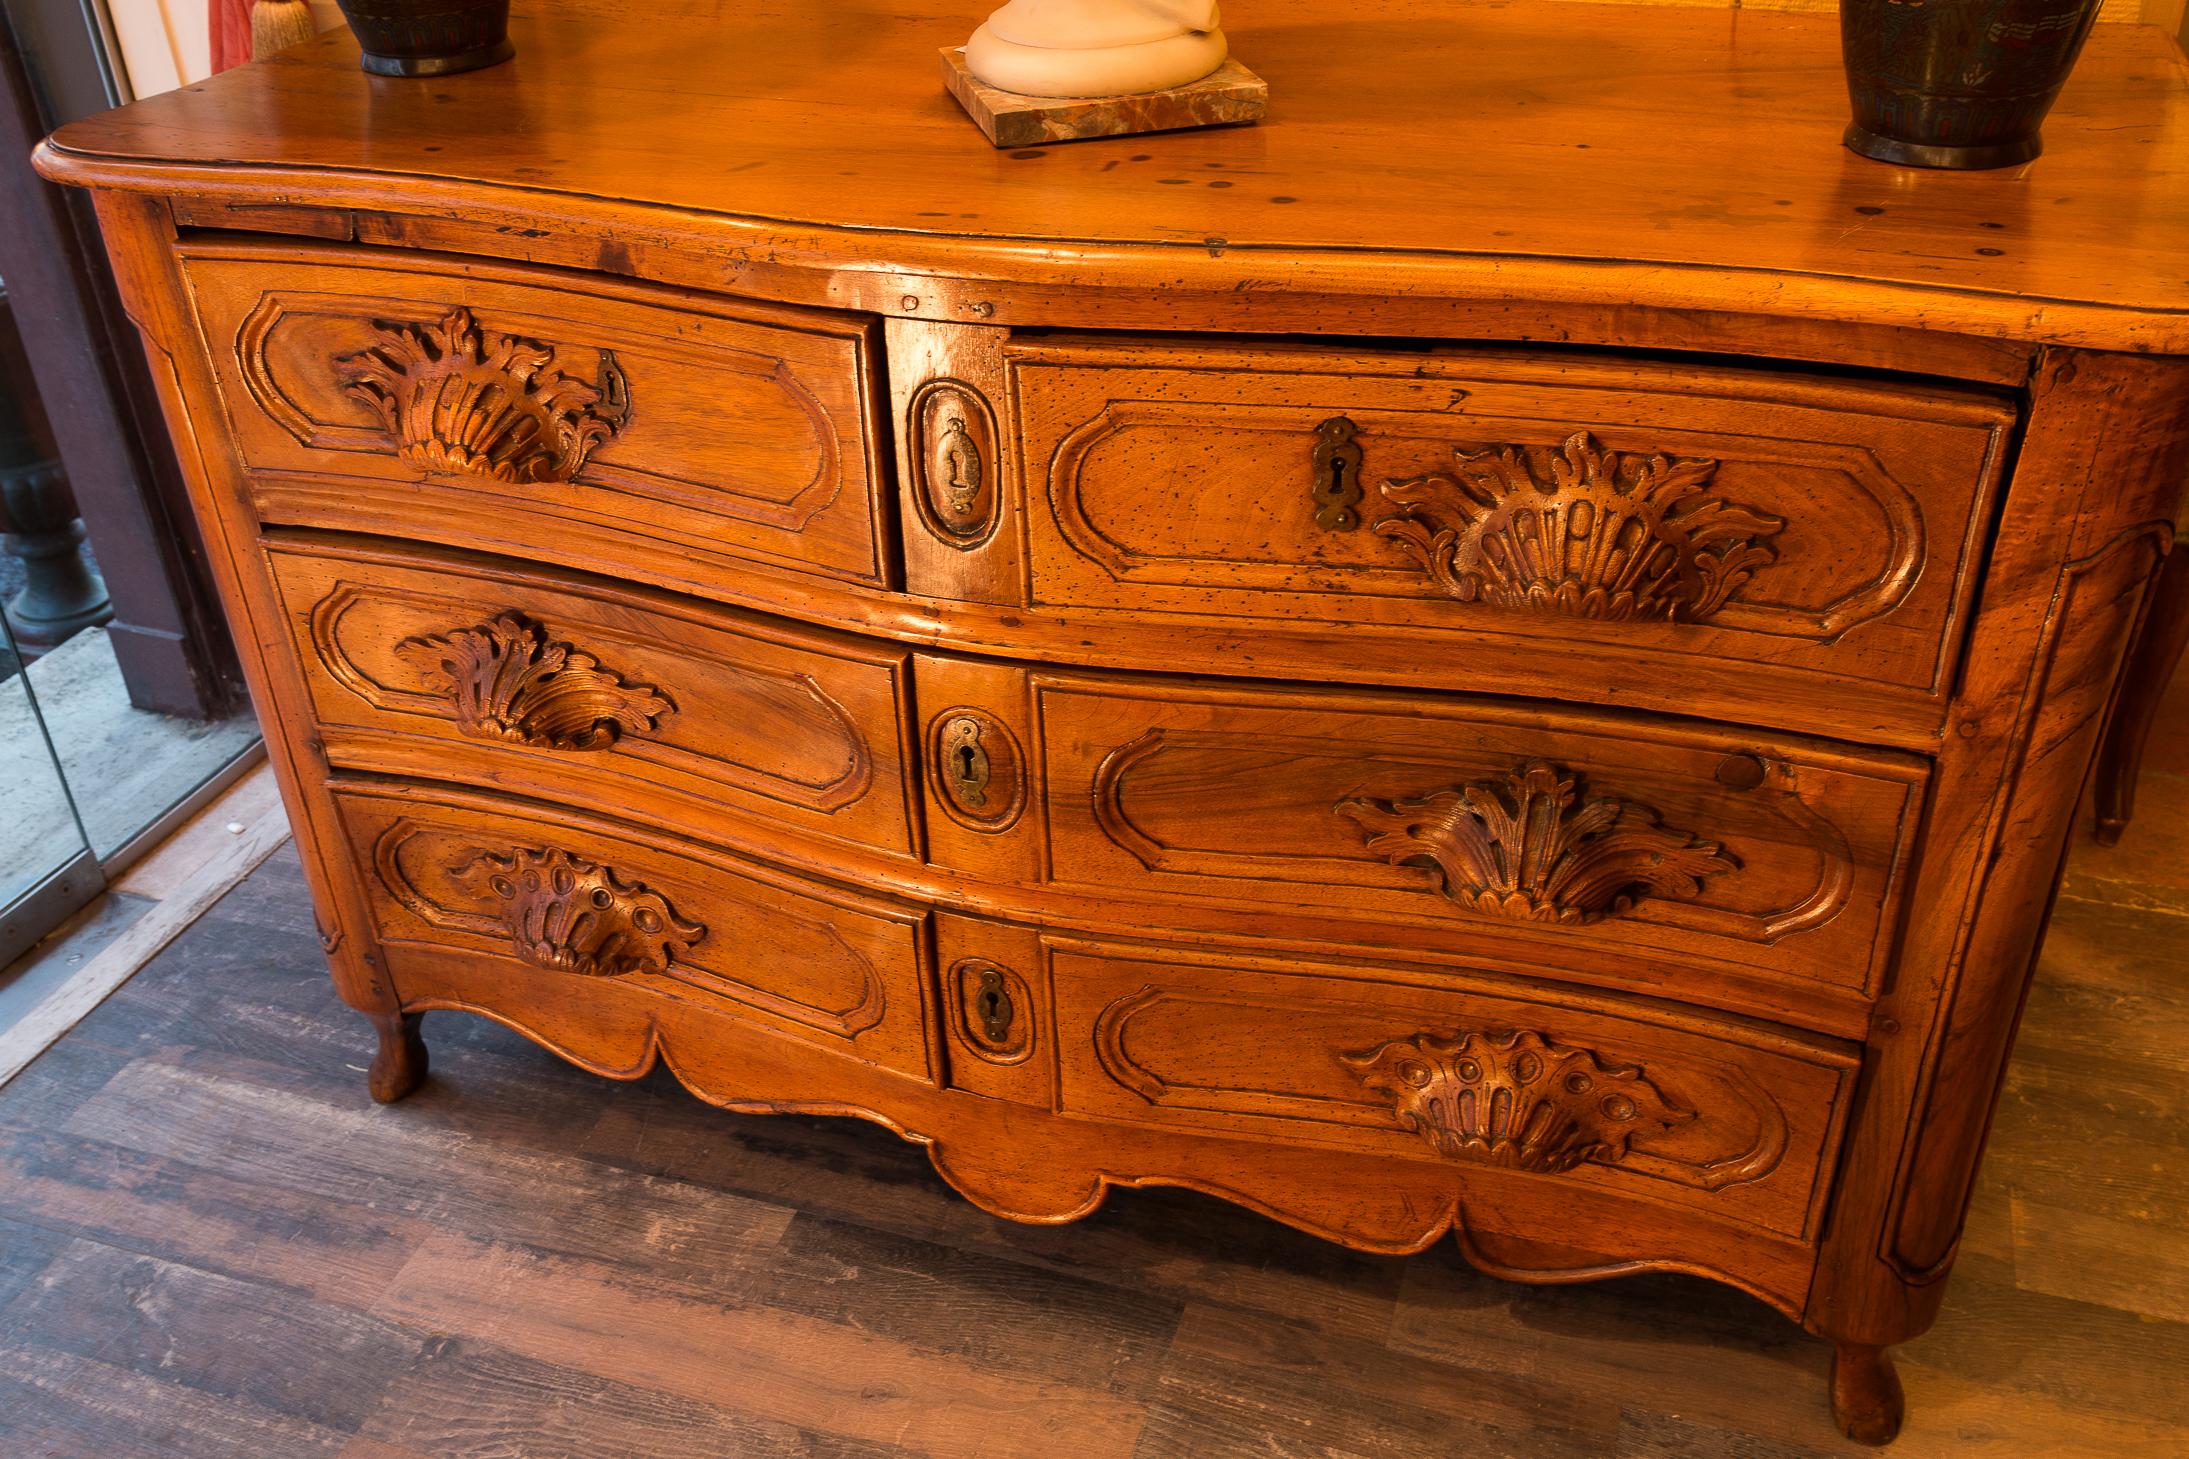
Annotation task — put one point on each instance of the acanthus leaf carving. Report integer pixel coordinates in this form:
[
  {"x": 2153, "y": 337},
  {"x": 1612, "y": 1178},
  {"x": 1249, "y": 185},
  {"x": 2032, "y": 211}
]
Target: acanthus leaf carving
[
  {"x": 510, "y": 682},
  {"x": 570, "y": 915},
  {"x": 455, "y": 397},
  {"x": 1513, "y": 1098},
  {"x": 1519, "y": 847},
  {"x": 1580, "y": 531}
]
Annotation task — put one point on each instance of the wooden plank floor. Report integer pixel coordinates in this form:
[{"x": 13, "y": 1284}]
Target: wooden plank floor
[{"x": 212, "y": 1244}]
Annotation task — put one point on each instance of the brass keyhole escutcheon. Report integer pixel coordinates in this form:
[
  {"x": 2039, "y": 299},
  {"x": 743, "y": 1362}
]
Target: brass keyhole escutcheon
[
  {"x": 993, "y": 1011},
  {"x": 1336, "y": 486},
  {"x": 962, "y": 457},
  {"x": 951, "y": 435},
  {"x": 992, "y": 1003},
  {"x": 965, "y": 762},
  {"x": 976, "y": 771}
]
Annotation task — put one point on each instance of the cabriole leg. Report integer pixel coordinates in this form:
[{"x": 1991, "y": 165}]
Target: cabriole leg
[
  {"x": 400, "y": 1066},
  {"x": 1866, "y": 1396}
]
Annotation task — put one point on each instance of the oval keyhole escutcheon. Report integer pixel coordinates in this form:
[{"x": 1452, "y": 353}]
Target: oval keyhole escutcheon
[
  {"x": 966, "y": 763},
  {"x": 995, "y": 1010},
  {"x": 961, "y": 459},
  {"x": 953, "y": 453},
  {"x": 976, "y": 768}
]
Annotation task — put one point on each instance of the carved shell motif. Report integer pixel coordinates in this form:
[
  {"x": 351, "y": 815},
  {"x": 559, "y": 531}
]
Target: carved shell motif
[
  {"x": 1515, "y": 1099},
  {"x": 570, "y": 915},
  {"x": 510, "y": 682},
  {"x": 458, "y": 398},
  {"x": 1581, "y": 531},
  {"x": 1520, "y": 848}
]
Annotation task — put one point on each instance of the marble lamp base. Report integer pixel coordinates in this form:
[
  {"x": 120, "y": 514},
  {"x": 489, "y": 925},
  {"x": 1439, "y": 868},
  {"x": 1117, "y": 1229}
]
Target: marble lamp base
[{"x": 1230, "y": 95}]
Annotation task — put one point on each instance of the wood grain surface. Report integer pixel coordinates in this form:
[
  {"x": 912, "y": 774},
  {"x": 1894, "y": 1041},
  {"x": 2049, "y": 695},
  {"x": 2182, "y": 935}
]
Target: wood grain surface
[
  {"x": 1553, "y": 153},
  {"x": 1858, "y": 505},
  {"x": 742, "y": 717}
]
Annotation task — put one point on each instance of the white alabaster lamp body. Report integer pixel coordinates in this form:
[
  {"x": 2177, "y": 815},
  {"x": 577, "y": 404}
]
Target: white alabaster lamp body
[{"x": 1096, "y": 47}]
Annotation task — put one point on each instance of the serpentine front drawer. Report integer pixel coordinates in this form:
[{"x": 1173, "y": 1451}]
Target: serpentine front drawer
[
  {"x": 493, "y": 898},
  {"x": 1738, "y": 1121},
  {"x": 567, "y": 417},
  {"x": 724, "y": 725},
  {"x": 1567, "y": 523}
]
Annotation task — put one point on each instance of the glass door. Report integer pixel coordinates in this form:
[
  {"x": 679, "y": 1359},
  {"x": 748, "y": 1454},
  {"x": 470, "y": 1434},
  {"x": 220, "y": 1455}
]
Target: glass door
[{"x": 47, "y": 869}]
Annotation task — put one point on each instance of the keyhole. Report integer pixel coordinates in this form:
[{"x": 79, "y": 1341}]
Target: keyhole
[
  {"x": 992, "y": 1005},
  {"x": 972, "y": 777},
  {"x": 1343, "y": 517},
  {"x": 968, "y": 762},
  {"x": 964, "y": 767},
  {"x": 1339, "y": 460},
  {"x": 961, "y": 461}
]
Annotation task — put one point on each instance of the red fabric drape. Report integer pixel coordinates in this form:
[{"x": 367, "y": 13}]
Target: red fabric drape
[{"x": 231, "y": 23}]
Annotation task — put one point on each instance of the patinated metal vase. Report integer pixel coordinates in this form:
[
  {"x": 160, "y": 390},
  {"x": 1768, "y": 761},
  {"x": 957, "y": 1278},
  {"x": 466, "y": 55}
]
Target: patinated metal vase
[
  {"x": 430, "y": 37},
  {"x": 1957, "y": 83}
]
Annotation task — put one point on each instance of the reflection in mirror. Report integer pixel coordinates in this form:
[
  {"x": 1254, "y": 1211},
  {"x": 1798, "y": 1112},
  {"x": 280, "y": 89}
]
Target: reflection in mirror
[{"x": 46, "y": 870}]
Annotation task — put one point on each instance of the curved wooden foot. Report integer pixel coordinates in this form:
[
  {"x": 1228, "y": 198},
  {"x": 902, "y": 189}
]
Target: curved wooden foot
[
  {"x": 1866, "y": 1396},
  {"x": 400, "y": 1066}
]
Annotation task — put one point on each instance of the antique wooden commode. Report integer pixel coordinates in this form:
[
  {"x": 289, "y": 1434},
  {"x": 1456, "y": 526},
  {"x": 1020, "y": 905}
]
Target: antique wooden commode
[{"x": 1508, "y": 653}]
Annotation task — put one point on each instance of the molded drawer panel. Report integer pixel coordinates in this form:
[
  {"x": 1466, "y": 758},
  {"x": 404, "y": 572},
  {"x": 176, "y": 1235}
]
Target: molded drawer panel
[
  {"x": 1737, "y": 1120},
  {"x": 581, "y": 691},
  {"x": 1661, "y": 854},
  {"x": 1572, "y": 525},
  {"x": 558, "y": 900},
  {"x": 572, "y": 417}
]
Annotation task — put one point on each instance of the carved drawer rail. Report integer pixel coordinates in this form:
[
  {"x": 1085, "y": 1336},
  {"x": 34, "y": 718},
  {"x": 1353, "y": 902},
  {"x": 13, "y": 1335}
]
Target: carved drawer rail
[
  {"x": 1515, "y": 1099},
  {"x": 455, "y": 397},
  {"x": 1578, "y": 531},
  {"x": 570, "y": 915},
  {"x": 1520, "y": 847},
  {"x": 509, "y": 681}
]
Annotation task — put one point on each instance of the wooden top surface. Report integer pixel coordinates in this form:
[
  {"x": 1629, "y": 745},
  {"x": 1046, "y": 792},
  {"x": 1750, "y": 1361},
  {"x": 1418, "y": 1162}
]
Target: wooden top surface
[{"x": 1681, "y": 158}]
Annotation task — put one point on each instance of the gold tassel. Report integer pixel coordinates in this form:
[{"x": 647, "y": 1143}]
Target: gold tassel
[{"x": 277, "y": 25}]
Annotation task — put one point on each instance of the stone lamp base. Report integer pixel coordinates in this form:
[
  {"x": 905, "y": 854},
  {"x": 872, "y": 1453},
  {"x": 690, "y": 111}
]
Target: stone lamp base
[{"x": 1229, "y": 96}]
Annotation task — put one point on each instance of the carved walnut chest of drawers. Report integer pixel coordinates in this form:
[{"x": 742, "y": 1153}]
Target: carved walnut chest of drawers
[{"x": 1456, "y": 665}]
